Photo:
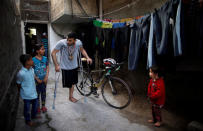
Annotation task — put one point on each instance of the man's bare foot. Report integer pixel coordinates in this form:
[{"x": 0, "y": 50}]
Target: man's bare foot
[
  {"x": 150, "y": 121},
  {"x": 157, "y": 124},
  {"x": 72, "y": 99}
]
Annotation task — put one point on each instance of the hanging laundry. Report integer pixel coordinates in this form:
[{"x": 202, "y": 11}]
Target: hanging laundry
[
  {"x": 177, "y": 43},
  {"x": 107, "y": 37},
  {"x": 138, "y": 17},
  {"x": 97, "y": 23},
  {"x": 161, "y": 28},
  {"x": 126, "y": 19},
  {"x": 151, "y": 46},
  {"x": 121, "y": 35},
  {"x": 108, "y": 20},
  {"x": 129, "y": 23},
  {"x": 138, "y": 41},
  {"x": 118, "y": 25},
  {"x": 106, "y": 25},
  {"x": 115, "y": 21}
]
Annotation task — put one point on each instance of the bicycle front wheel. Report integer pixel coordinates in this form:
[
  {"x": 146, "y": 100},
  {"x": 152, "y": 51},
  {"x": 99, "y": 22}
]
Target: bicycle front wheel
[
  {"x": 84, "y": 83},
  {"x": 116, "y": 93}
]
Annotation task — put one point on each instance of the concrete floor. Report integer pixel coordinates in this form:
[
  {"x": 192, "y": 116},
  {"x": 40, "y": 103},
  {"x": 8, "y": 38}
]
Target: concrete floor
[{"x": 93, "y": 114}]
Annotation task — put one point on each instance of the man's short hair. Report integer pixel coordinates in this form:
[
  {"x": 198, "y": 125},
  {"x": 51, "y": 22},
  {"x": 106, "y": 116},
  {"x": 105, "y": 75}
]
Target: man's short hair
[
  {"x": 24, "y": 58},
  {"x": 72, "y": 35}
]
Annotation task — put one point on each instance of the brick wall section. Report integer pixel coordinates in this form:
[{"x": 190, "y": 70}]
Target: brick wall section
[{"x": 11, "y": 48}]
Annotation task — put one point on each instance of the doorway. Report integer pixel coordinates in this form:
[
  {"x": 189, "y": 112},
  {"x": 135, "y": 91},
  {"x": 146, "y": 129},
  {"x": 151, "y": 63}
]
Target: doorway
[{"x": 36, "y": 34}]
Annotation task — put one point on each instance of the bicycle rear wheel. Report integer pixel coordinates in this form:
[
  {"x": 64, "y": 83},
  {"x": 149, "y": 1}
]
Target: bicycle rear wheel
[
  {"x": 84, "y": 85},
  {"x": 116, "y": 93}
]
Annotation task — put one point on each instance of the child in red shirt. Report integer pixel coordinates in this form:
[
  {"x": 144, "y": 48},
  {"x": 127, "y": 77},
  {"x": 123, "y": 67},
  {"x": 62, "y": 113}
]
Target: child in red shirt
[{"x": 156, "y": 93}]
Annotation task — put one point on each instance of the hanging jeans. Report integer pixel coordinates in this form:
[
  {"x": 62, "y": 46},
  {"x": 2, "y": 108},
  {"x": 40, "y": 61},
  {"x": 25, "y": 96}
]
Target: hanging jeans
[
  {"x": 161, "y": 28},
  {"x": 177, "y": 43},
  {"x": 151, "y": 49},
  {"x": 160, "y": 31},
  {"x": 138, "y": 40}
]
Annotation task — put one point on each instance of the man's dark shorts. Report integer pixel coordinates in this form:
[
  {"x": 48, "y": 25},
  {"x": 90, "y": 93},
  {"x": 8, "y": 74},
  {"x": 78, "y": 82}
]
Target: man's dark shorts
[{"x": 69, "y": 78}]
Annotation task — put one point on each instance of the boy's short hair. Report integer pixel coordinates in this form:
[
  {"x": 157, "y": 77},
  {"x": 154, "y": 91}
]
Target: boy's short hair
[
  {"x": 155, "y": 69},
  {"x": 24, "y": 58},
  {"x": 72, "y": 35}
]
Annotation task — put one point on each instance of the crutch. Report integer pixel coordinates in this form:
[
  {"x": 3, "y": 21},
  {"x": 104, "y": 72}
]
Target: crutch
[{"x": 57, "y": 75}]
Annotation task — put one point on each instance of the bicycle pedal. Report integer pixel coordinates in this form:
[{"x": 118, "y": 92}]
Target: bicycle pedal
[{"x": 95, "y": 94}]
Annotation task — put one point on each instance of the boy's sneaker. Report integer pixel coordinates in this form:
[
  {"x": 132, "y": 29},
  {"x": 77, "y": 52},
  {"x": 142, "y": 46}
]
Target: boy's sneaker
[
  {"x": 44, "y": 109},
  {"x": 38, "y": 110}
]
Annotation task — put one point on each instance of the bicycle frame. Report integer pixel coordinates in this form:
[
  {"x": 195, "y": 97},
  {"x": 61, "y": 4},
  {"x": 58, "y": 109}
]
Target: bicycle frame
[
  {"x": 101, "y": 78},
  {"x": 95, "y": 79}
]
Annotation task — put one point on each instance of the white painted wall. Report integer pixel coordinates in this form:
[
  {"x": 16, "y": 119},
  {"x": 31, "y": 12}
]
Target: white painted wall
[
  {"x": 53, "y": 38},
  {"x": 23, "y": 36}
]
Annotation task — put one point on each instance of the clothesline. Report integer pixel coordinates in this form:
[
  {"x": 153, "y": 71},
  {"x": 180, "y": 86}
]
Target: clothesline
[
  {"x": 97, "y": 16},
  {"x": 146, "y": 33}
]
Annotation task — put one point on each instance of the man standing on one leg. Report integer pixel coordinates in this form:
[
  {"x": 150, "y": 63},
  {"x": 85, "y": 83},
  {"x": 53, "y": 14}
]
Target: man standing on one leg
[{"x": 69, "y": 49}]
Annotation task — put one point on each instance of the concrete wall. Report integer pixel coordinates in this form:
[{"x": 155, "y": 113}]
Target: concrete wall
[
  {"x": 10, "y": 50},
  {"x": 132, "y": 8},
  {"x": 35, "y": 10},
  {"x": 59, "y": 8},
  {"x": 53, "y": 39}
]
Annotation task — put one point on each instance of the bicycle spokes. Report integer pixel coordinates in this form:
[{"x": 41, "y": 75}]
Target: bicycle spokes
[{"x": 116, "y": 93}]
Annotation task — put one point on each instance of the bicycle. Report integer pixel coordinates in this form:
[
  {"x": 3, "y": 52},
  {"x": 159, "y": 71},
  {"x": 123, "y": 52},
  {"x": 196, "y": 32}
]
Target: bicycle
[{"x": 115, "y": 92}]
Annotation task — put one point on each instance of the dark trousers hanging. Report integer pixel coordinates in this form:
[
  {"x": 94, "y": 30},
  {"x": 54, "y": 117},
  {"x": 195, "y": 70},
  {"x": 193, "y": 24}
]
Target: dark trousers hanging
[
  {"x": 121, "y": 37},
  {"x": 107, "y": 41}
]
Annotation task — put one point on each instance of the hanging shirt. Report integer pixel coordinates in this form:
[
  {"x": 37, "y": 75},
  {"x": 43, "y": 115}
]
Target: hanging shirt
[
  {"x": 40, "y": 67},
  {"x": 107, "y": 25},
  {"x": 25, "y": 78},
  {"x": 97, "y": 23},
  {"x": 119, "y": 25},
  {"x": 115, "y": 21}
]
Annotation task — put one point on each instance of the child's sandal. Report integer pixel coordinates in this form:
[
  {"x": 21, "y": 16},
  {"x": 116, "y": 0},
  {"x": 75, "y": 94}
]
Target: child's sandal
[{"x": 157, "y": 124}]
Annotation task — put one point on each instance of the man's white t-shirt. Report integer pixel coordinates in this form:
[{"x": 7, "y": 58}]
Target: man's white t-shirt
[{"x": 65, "y": 62}]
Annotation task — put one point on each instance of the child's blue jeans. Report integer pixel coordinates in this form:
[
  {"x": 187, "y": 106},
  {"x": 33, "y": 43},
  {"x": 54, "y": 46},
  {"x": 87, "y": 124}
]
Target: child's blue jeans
[
  {"x": 41, "y": 91},
  {"x": 27, "y": 104}
]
